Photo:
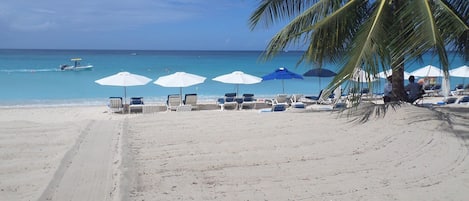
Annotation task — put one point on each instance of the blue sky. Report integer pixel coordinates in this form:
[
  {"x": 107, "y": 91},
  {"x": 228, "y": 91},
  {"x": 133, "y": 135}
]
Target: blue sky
[{"x": 131, "y": 24}]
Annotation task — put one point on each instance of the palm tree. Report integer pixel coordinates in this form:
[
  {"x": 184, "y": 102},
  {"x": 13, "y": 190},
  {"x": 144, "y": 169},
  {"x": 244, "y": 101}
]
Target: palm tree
[{"x": 373, "y": 35}]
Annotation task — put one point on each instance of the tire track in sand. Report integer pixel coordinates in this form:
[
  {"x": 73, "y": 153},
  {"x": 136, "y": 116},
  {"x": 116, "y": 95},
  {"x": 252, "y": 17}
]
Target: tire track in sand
[{"x": 89, "y": 170}]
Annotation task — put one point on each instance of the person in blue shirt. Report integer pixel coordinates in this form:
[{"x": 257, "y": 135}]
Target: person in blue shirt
[
  {"x": 414, "y": 90},
  {"x": 387, "y": 96}
]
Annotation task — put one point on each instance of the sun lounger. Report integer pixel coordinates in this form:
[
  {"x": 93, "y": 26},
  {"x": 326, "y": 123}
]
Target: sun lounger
[
  {"x": 191, "y": 99},
  {"x": 458, "y": 90},
  {"x": 279, "y": 107},
  {"x": 432, "y": 90},
  {"x": 229, "y": 101},
  {"x": 318, "y": 99},
  {"x": 295, "y": 101},
  {"x": 248, "y": 102},
  {"x": 279, "y": 99},
  {"x": 136, "y": 104},
  {"x": 451, "y": 100},
  {"x": 465, "y": 90},
  {"x": 464, "y": 100},
  {"x": 173, "y": 102},
  {"x": 115, "y": 104}
]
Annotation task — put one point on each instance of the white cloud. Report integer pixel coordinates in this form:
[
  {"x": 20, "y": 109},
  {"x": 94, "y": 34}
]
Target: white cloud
[
  {"x": 96, "y": 15},
  {"x": 33, "y": 26}
]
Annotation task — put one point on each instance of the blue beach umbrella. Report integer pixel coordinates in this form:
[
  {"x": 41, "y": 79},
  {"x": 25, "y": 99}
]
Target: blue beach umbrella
[{"x": 282, "y": 74}]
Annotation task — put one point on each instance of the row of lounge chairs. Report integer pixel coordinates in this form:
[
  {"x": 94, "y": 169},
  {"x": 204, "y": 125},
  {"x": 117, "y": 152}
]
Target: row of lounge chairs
[
  {"x": 457, "y": 100},
  {"x": 436, "y": 89},
  {"x": 230, "y": 100},
  {"x": 176, "y": 103},
  {"x": 117, "y": 105},
  {"x": 173, "y": 103},
  {"x": 247, "y": 101},
  {"x": 298, "y": 101}
]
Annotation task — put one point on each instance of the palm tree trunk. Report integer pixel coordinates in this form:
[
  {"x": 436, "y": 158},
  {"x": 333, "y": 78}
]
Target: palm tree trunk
[
  {"x": 398, "y": 67},
  {"x": 398, "y": 80}
]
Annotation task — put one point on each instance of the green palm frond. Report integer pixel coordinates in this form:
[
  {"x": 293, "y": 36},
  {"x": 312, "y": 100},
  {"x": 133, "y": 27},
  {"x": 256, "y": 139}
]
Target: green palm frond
[
  {"x": 297, "y": 32},
  {"x": 271, "y": 11},
  {"x": 370, "y": 35},
  {"x": 331, "y": 35},
  {"x": 368, "y": 49}
]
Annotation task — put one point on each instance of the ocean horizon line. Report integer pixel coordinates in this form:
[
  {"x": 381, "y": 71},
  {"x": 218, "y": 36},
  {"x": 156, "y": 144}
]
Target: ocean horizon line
[{"x": 156, "y": 50}]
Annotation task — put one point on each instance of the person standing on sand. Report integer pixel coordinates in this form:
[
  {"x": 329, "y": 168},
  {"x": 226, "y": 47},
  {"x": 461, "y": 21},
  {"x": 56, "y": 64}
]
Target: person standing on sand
[
  {"x": 414, "y": 90},
  {"x": 387, "y": 97}
]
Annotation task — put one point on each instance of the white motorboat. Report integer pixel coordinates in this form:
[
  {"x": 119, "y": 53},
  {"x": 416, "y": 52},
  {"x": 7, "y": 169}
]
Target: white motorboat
[{"x": 76, "y": 66}]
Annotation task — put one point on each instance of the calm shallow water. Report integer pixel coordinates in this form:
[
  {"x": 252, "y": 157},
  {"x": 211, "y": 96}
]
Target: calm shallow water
[{"x": 32, "y": 77}]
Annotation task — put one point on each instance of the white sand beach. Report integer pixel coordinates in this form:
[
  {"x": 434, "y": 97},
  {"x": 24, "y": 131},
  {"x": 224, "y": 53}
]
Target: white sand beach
[{"x": 86, "y": 153}]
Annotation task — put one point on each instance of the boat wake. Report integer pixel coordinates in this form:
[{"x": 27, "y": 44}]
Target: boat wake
[{"x": 29, "y": 70}]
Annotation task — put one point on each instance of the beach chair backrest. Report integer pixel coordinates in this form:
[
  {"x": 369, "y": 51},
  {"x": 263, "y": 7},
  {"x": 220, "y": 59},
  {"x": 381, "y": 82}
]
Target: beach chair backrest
[
  {"x": 464, "y": 99},
  {"x": 190, "y": 99},
  {"x": 296, "y": 97},
  {"x": 115, "y": 102},
  {"x": 281, "y": 98},
  {"x": 248, "y": 97},
  {"x": 230, "y": 95},
  {"x": 174, "y": 100},
  {"x": 136, "y": 101}
]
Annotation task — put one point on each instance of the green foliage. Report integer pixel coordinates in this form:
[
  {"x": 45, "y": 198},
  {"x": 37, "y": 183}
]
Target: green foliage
[{"x": 369, "y": 35}]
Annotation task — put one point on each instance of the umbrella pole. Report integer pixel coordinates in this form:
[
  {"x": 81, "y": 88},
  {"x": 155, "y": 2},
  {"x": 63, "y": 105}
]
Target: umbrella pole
[
  {"x": 237, "y": 90},
  {"x": 180, "y": 94},
  {"x": 283, "y": 86},
  {"x": 125, "y": 95}
]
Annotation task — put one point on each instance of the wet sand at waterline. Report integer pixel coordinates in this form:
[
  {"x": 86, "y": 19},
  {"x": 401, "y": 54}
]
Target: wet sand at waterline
[{"x": 87, "y": 153}]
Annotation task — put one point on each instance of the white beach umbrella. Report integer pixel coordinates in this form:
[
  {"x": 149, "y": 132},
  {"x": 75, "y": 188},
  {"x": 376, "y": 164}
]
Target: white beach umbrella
[
  {"x": 124, "y": 79},
  {"x": 428, "y": 71},
  {"x": 238, "y": 77},
  {"x": 179, "y": 79},
  {"x": 387, "y": 73},
  {"x": 462, "y": 71}
]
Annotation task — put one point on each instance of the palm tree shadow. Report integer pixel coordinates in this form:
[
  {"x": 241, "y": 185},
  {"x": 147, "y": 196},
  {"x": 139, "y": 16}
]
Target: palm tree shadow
[
  {"x": 365, "y": 111},
  {"x": 454, "y": 119},
  {"x": 457, "y": 118}
]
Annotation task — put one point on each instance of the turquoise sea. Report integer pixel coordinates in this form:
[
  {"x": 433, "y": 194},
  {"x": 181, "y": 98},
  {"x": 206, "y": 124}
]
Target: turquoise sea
[{"x": 33, "y": 78}]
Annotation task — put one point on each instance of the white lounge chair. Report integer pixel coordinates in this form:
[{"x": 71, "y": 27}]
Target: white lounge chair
[
  {"x": 463, "y": 100},
  {"x": 136, "y": 104},
  {"x": 316, "y": 99},
  {"x": 279, "y": 103},
  {"x": 279, "y": 99},
  {"x": 249, "y": 102},
  {"x": 115, "y": 104},
  {"x": 295, "y": 101},
  {"x": 191, "y": 99},
  {"x": 229, "y": 101},
  {"x": 173, "y": 102}
]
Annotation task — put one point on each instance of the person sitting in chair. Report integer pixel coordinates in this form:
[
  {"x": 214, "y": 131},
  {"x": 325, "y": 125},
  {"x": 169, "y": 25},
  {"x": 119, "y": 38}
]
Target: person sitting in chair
[
  {"x": 414, "y": 90},
  {"x": 388, "y": 90}
]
